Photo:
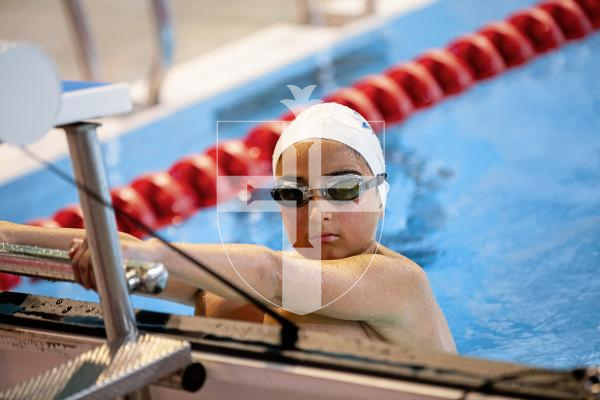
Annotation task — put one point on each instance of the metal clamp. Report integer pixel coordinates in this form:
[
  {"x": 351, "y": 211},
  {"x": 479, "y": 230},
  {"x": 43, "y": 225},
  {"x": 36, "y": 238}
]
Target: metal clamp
[{"x": 164, "y": 42}]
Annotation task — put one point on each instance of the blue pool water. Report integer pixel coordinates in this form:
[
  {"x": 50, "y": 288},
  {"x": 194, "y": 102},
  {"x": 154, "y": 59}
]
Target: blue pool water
[{"x": 496, "y": 193}]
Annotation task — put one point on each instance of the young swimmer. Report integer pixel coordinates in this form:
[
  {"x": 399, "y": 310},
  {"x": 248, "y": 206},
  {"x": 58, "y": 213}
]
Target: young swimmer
[{"x": 332, "y": 226}]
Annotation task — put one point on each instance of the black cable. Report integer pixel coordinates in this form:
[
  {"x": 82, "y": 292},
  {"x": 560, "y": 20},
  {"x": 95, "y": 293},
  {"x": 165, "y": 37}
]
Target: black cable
[{"x": 289, "y": 330}]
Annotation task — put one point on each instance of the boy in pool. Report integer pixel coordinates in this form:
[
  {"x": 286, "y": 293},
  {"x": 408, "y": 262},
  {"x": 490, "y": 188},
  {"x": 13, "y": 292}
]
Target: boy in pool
[{"x": 384, "y": 295}]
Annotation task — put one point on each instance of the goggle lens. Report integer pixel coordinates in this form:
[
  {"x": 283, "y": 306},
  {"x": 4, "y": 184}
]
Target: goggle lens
[
  {"x": 287, "y": 194},
  {"x": 344, "y": 191}
]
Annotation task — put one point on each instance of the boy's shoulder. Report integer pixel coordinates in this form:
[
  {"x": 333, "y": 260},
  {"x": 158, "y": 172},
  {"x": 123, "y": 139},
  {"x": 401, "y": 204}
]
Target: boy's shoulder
[{"x": 385, "y": 251}]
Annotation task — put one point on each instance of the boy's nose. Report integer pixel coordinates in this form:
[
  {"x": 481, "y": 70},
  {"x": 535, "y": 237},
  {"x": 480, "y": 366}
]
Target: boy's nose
[{"x": 317, "y": 213}]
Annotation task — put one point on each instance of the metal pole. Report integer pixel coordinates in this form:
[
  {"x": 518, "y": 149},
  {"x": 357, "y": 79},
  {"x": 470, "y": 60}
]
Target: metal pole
[
  {"x": 86, "y": 48},
  {"x": 101, "y": 232},
  {"x": 163, "y": 24},
  {"x": 370, "y": 7}
]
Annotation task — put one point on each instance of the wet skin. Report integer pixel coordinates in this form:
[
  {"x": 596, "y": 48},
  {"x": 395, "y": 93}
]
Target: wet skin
[
  {"x": 386, "y": 296},
  {"x": 352, "y": 224},
  {"x": 353, "y": 234}
]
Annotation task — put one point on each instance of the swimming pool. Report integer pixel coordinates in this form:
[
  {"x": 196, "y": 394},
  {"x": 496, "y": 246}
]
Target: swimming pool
[{"x": 496, "y": 193}]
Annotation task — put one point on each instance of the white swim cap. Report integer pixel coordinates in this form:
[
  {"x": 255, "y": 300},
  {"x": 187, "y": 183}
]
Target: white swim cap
[{"x": 336, "y": 122}]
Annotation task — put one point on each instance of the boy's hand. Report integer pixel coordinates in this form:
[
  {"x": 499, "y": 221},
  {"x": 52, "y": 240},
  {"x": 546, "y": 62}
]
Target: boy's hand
[{"x": 81, "y": 260}]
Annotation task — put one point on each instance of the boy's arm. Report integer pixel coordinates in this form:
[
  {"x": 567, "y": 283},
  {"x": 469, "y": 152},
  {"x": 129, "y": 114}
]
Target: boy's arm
[
  {"x": 54, "y": 238},
  {"x": 260, "y": 267},
  {"x": 387, "y": 290},
  {"x": 390, "y": 294},
  {"x": 366, "y": 287}
]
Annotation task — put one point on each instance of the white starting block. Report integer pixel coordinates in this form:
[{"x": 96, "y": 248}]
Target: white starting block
[
  {"x": 33, "y": 99},
  {"x": 82, "y": 101}
]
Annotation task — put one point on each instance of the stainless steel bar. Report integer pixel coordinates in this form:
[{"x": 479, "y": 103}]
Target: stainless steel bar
[
  {"x": 86, "y": 48},
  {"x": 142, "y": 277},
  {"x": 163, "y": 24},
  {"x": 101, "y": 232}
]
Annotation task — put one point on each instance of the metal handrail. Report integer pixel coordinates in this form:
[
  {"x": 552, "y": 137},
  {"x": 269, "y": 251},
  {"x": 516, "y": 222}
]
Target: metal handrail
[
  {"x": 86, "y": 47},
  {"x": 163, "y": 57},
  {"x": 165, "y": 42},
  {"x": 142, "y": 277}
]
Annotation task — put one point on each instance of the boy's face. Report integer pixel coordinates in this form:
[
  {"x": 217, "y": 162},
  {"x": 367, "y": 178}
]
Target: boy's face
[{"x": 325, "y": 229}]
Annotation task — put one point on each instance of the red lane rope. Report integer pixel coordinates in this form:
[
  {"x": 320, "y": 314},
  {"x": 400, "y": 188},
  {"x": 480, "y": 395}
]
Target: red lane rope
[{"x": 164, "y": 198}]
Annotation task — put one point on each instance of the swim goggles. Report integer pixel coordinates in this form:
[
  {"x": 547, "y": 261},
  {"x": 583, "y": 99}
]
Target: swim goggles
[{"x": 337, "y": 188}]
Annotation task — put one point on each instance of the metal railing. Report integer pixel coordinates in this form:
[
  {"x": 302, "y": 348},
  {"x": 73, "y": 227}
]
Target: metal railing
[
  {"x": 142, "y": 277},
  {"x": 87, "y": 53}
]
